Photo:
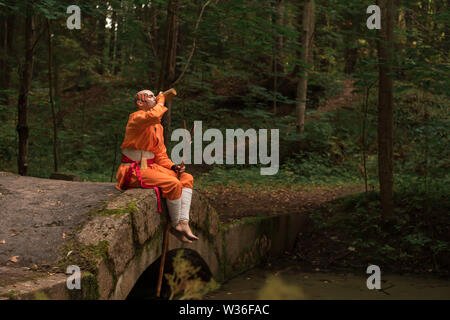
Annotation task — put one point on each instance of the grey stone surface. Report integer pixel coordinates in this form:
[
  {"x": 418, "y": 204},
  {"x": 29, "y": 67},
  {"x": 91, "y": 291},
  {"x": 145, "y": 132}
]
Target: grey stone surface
[
  {"x": 105, "y": 280},
  {"x": 203, "y": 215},
  {"x": 34, "y": 214},
  {"x": 116, "y": 229}
]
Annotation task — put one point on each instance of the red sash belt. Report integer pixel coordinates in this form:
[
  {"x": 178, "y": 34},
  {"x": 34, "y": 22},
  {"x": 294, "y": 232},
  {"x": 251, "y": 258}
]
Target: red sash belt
[{"x": 135, "y": 167}]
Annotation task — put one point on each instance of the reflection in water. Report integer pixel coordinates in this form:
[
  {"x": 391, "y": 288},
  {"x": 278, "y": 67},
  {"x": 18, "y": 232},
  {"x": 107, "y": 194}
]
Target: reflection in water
[{"x": 286, "y": 280}]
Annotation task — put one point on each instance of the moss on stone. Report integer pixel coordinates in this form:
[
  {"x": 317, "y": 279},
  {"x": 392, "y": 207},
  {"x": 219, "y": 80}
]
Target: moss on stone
[
  {"x": 89, "y": 288},
  {"x": 224, "y": 261},
  {"x": 41, "y": 295},
  {"x": 255, "y": 219},
  {"x": 84, "y": 256},
  {"x": 130, "y": 208},
  {"x": 249, "y": 255},
  {"x": 12, "y": 294}
]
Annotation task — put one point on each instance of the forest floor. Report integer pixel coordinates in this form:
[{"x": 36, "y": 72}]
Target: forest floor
[
  {"x": 234, "y": 203},
  {"x": 346, "y": 97}
]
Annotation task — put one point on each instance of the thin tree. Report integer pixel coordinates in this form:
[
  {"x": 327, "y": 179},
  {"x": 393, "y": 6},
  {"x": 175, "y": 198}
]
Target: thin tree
[
  {"x": 51, "y": 97},
  {"x": 24, "y": 92},
  {"x": 112, "y": 40},
  {"x": 7, "y": 47},
  {"x": 307, "y": 30},
  {"x": 194, "y": 44},
  {"x": 119, "y": 40},
  {"x": 385, "y": 108},
  {"x": 277, "y": 21},
  {"x": 167, "y": 71}
]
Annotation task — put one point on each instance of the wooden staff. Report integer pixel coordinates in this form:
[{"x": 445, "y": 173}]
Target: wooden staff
[
  {"x": 169, "y": 94},
  {"x": 163, "y": 257}
]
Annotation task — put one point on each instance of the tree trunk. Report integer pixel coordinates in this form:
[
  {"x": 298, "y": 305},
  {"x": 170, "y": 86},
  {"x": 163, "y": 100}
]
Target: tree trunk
[
  {"x": 150, "y": 14},
  {"x": 118, "y": 59},
  {"x": 112, "y": 40},
  {"x": 351, "y": 55},
  {"x": 167, "y": 71},
  {"x": 23, "y": 100},
  {"x": 306, "y": 32},
  {"x": 385, "y": 107},
  {"x": 50, "y": 94},
  {"x": 101, "y": 40},
  {"x": 7, "y": 45},
  {"x": 3, "y": 56},
  {"x": 278, "y": 47}
]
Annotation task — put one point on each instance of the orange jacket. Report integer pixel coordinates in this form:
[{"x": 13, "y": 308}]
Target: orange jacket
[{"x": 145, "y": 132}]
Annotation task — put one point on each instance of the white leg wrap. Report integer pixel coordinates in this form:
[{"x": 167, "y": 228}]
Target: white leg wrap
[
  {"x": 186, "y": 197},
  {"x": 174, "y": 207}
]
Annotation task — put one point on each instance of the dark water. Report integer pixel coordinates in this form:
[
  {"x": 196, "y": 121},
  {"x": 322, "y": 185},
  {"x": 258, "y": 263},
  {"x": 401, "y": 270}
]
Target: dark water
[{"x": 287, "y": 280}]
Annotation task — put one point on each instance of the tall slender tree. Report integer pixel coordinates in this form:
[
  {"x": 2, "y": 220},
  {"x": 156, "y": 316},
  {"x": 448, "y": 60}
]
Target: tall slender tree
[
  {"x": 51, "y": 95},
  {"x": 385, "y": 107},
  {"x": 307, "y": 29},
  {"x": 277, "y": 67},
  {"x": 7, "y": 28},
  {"x": 167, "y": 71},
  {"x": 112, "y": 40},
  {"x": 25, "y": 85}
]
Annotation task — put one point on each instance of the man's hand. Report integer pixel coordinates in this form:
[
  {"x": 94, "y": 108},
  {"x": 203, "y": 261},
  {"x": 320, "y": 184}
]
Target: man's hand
[
  {"x": 179, "y": 168},
  {"x": 169, "y": 94}
]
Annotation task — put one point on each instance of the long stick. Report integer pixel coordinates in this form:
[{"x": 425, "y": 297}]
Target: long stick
[
  {"x": 115, "y": 157},
  {"x": 163, "y": 258},
  {"x": 169, "y": 94}
]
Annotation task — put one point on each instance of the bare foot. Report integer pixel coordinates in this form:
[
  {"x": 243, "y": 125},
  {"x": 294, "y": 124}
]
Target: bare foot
[
  {"x": 179, "y": 235},
  {"x": 183, "y": 226}
]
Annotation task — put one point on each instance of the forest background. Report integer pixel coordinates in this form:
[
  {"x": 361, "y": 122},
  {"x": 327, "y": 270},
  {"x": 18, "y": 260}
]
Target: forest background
[{"x": 354, "y": 106}]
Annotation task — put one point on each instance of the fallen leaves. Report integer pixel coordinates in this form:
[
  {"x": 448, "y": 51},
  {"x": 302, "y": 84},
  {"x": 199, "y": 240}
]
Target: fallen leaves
[{"x": 14, "y": 259}]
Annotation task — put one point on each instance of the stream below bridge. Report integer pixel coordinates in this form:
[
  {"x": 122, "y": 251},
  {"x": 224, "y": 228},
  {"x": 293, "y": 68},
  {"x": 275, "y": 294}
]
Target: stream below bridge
[
  {"x": 284, "y": 278},
  {"x": 288, "y": 280}
]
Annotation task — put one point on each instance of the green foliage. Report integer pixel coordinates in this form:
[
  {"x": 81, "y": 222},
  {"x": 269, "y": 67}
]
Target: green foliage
[
  {"x": 184, "y": 282},
  {"x": 417, "y": 236}
]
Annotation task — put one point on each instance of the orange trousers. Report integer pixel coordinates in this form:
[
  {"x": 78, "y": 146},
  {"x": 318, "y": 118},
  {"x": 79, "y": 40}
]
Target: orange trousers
[{"x": 156, "y": 175}]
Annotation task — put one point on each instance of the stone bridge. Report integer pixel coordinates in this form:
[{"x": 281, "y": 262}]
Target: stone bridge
[{"x": 47, "y": 225}]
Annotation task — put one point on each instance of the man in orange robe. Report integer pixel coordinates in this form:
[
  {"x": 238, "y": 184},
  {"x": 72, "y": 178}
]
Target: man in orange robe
[{"x": 145, "y": 163}]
